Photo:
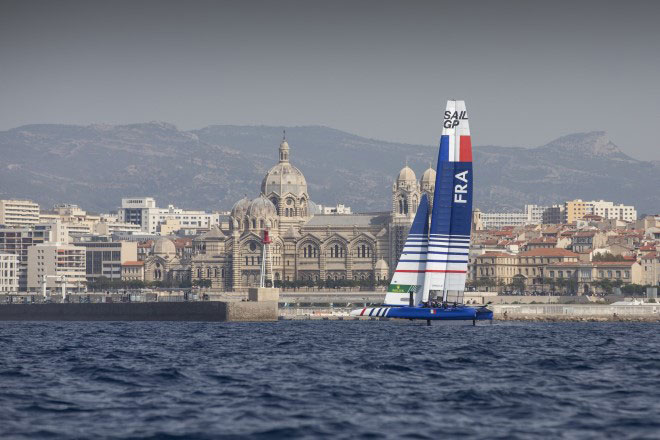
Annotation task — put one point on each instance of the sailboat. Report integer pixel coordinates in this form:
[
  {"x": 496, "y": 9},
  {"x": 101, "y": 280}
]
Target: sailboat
[{"x": 429, "y": 280}]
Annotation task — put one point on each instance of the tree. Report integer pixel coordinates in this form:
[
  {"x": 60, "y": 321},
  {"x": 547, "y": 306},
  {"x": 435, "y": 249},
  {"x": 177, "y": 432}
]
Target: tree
[
  {"x": 607, "y": 256},
  {"x": 519, "y": 283},
  {"x": 202, "y": 282},
  {"x": 634, "y": 289}
]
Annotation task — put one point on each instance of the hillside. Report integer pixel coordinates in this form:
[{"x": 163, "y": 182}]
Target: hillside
[{"x": 95, "y": 166}]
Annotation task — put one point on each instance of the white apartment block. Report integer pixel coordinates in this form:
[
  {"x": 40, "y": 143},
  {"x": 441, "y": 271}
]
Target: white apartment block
[
  {"x": 610, "y": 211},
  {"x": 494, "y": 220},
  {"x": 535, "y": 214},
  {"x": 18, "y": 213},
  {"x": 8, "y": 273},
  {"x": 144, "y": 212},
  {"x": 59, "y": 263}
]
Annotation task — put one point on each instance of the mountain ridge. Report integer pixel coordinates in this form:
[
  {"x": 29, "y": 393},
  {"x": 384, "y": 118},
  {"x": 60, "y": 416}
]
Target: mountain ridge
[{"x": 212, "y": 167}]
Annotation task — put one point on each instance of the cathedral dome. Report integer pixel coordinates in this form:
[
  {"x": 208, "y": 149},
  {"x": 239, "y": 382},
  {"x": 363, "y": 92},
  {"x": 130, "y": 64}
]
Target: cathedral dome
[
  {"x": 164, "y": 247},
  {"x": 407, "y": 175},
  {"x": 382, "y": 265},
  {"x": 284, "y": 178},
  {"x": 261, "y": 207},
  {"x": 428, "y": 179},
  {"x": 240, "y": 208}
]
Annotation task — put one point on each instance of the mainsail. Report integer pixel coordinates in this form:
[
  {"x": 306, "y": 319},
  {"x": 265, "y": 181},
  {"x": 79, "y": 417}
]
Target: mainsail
[
  {"x": 451, "y": 217},
  {"x": 409, "y": 274}
]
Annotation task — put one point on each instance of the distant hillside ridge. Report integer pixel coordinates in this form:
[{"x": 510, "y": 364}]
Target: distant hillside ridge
[{"x": 95, "y": 166}]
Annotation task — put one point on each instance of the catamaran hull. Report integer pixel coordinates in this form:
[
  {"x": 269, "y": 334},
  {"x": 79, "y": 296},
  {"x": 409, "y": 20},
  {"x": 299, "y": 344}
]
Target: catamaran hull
[{"x": 426, "y": 313}]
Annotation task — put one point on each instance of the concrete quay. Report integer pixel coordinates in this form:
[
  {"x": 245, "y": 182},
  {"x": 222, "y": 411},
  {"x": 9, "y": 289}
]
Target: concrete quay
[
  {"x": 218, "y": 311},
  {"x": 576, "y": 312}
]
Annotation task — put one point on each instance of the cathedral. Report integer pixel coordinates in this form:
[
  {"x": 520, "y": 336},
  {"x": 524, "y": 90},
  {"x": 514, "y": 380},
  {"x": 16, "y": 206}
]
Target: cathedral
[{"x": 305, "y": 246}]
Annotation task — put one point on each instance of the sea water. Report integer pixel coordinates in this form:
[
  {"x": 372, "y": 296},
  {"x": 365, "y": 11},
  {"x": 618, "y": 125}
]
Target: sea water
[{"x": 329, "y": 379}]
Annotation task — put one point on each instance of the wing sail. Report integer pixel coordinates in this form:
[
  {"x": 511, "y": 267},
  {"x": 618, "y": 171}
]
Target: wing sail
[
  {"x": 451, "y": 217},
  {"x": 410, "y": 270}
]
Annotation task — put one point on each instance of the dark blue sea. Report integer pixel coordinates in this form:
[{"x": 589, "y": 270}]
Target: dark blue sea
[{"x": 325, "y": 379}]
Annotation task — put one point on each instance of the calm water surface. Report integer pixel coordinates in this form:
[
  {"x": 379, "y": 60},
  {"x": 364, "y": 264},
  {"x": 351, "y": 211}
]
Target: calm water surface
[{"x": 329, "y": 379}]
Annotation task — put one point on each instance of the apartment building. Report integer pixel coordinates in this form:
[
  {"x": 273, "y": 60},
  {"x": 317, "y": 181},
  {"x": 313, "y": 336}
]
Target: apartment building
[
  {"x": 583, "y": 241},
  {"x": 17, "y": 241},
  {"x": 18, "y": 213},
  {"x": 530, "y": 265},
  {"x": 144, "y": 212},
  {"x": 575, "y": 210},
  {"x": 132, "y": 271},
  {"x": 8, "y": 273},
  {"x": 650, "y": 263},
  {"x": 105, "y": 259},
  {"x": 553, "y": 215},
  {"x": 496, "y": 220},
  {"x": 535, "y": 214},
  {"x": 57, "y": 263}
]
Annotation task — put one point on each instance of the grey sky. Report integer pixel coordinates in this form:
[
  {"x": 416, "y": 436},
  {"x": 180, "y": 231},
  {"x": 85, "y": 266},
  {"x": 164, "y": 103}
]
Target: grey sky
[{"x": 529, "y": 72}]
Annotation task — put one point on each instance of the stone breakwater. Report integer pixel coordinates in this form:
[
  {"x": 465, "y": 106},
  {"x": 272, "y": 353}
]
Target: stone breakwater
[
  {"x": 221, "y": 311},
  {"x": 578, "y": 312}
]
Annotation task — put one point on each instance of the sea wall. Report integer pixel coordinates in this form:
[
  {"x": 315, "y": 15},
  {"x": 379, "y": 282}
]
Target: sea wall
[
  {"x": 222, "y": 311},
  {"x": 576, "y": 312}
]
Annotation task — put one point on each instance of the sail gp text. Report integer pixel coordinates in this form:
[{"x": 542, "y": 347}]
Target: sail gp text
[
  {"x": 460, "y": 189},
  {"x": 452, "y": 119}
]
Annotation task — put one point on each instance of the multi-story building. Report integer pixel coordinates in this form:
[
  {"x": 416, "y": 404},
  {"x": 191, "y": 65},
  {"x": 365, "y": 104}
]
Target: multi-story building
[
  {"x": 553, "y": 215},
  {"x": 650, "y": 263},
  {"x": 8, "y": 273},
  {"x": 529, "y": 266},
  {"x": 583, "y": 241},
  {"x": 18, "y": 213},
  {"x": 56, "y": 263},
  {"x": 494, "y": 220},
  {"x": 132, "y": 271},
  {"x": 105, "y": 259},
  {"x": 17, "y": 241},
  {"x": 610, "y": 211},
  {"x": 139, "y": 211},
  {"x": 144, "y": 212},
  {"x": 575, "y": 210},
  {"x": 535, "y": 214}
]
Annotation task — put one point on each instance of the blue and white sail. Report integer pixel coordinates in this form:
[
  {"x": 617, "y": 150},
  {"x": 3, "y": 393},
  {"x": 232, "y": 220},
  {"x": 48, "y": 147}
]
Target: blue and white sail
[
  {"x": 409, "y": 274},
  {"x": 451, "y": 217}
]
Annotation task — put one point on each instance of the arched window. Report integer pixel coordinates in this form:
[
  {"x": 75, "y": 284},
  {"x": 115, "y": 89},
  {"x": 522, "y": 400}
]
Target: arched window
[
  {"x": 223, "y": 272},
  {"x": 215, "y": 272},
  {"x": 400, "y": 206},
  {"x": 261, "y": 224},
  {"x": 363, "y": 251},
  {"x": 208, "y": 272},
  {"x": 247, "y": 259},
  {"x": 199, "y": 272},
  {"x": 254, "y": 224},
  {"x": 247, "y": 224}
]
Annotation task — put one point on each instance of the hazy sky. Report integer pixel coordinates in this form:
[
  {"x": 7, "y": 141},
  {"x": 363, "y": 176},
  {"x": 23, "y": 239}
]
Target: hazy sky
[{"x": 529, "y": 71}]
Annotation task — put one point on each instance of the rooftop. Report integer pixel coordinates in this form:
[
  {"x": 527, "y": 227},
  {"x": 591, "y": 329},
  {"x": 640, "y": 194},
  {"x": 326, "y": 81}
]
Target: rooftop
[
  {"x": 360, "y": 220},
  {"x": 548, "y": 252}
]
